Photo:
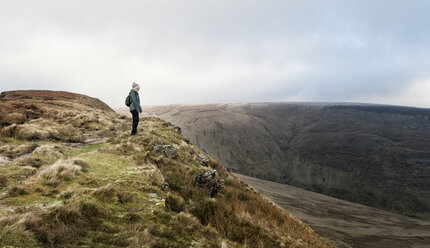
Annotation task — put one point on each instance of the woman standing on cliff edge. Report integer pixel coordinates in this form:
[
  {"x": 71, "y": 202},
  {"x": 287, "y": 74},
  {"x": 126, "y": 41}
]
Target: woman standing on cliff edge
[{"x": 135, "y": 108}]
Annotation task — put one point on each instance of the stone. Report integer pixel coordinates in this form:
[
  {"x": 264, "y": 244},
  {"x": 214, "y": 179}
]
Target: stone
[
  {"x": 165, "y": 186},
  {"x": 158, "y": 148},
  {"x": 167, "y": 149},
  {"x": 171, "y": 151},
  {"x": 3, "y": 161},
  {"x": 207, "y": 179},
  {"x": 221, "y": 184},
  {"x": 152, "y": 195},
  {"x": 203, "y": 160}
]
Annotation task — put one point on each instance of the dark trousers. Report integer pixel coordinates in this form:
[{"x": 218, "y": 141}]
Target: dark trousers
[{"x": 135, "y": 121}]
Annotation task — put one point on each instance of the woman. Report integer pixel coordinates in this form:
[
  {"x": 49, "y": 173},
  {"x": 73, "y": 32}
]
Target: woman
[{"x": 135, "y": 108}]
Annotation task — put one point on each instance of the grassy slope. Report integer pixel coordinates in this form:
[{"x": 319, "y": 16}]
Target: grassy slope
[{"x": 102, "y": 195}]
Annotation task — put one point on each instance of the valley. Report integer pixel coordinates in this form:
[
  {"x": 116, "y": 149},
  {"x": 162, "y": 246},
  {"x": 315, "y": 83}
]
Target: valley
[
  {"x": 344, "y": 223},
  {"x": 376, "y": 155}
]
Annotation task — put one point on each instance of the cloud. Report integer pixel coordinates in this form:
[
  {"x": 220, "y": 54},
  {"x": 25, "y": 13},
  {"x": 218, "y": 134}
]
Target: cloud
[
  {"x": 416, "y": 94},
  {"x": 218, "y": 51}
]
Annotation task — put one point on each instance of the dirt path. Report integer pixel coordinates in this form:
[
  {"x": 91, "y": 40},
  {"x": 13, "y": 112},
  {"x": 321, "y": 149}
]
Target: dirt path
[{"x": 344, "y": 223}]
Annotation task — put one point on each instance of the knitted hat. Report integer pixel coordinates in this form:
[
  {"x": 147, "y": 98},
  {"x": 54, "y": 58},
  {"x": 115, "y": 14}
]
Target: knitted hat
[{"x": 135, "y": 86}]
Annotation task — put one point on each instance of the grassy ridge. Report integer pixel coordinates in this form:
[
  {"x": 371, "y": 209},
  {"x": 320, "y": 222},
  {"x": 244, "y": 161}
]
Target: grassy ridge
[{"x": 110, "y": 194}]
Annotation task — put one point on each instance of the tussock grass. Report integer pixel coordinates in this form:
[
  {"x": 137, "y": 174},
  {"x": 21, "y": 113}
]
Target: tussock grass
[
  {"x": 48, "y": 130},
  {"x": 50, "y": 150},
  {"x": 33, "y": 162},
  {"x": 15, "y": 229},
  {"x": 16, "y": 118},
  {"x": 175, "y": 203},
  {"x": 110, "y": 192},
  {"x": 62, "y": 170},
  {"x": 8, "y": 131},
  {"x": 44, "y": 155},
  {"x": 20, "y": 189},
  {"x": 50, "y": 175},
  {"x": 3, "y": 181},
  {"x": 63, "y": 224},
  {"x": 16, "y": 150}
]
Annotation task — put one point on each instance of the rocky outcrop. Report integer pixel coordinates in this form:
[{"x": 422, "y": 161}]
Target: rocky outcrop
[
  {"x": 203, "y": 160},
  {"x": 167, "y": 149},
  {"x": 207, "y": 179}
]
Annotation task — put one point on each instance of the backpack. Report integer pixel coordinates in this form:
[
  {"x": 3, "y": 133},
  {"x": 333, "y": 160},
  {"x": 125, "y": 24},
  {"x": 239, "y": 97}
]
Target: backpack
[{"x": 128, "y": 101}]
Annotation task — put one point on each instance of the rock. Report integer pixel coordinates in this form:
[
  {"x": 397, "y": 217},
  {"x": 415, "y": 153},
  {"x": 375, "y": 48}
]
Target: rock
[
  {"x": 206, "y": 176},
  {"x": 158, "y": 148},
  {"x": 207, "y": 179},
  {"x": 165, "y": 186},
  {"x": 177, "y": 129},
  {"x": 3, "y": 161},
  {"x": 221, "y": 184},
  {"x": 167, "y": 149},
  {"x": 152, "y": 195},
  {"x": 203, "y": 160},
  {"x": 171, "y": 151}
]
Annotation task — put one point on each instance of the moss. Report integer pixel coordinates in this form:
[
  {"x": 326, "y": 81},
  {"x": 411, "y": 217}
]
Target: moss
[
  {"x": 107, "y": 166},
  {"x": 85, "y": 149}
]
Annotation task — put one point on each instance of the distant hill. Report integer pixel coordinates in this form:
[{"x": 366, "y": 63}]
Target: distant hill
[
  {"x": 71, "y": 175},
  {"x": 377, "y": 155}
]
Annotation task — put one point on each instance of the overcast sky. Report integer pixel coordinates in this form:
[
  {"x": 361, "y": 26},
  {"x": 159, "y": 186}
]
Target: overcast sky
[{"x": 220, "y": 51}]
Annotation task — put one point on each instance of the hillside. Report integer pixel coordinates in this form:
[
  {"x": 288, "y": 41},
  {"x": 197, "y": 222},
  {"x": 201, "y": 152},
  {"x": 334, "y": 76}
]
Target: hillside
[
  {"x": 344, "y": 223},
  {"x": 375, "y": 155},
  {"x": 71, "y": 175}
]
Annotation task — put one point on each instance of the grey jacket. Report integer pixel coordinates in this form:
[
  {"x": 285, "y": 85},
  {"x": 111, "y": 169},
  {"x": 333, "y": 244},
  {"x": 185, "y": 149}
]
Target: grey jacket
[{"x": 135, "y": 101}]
